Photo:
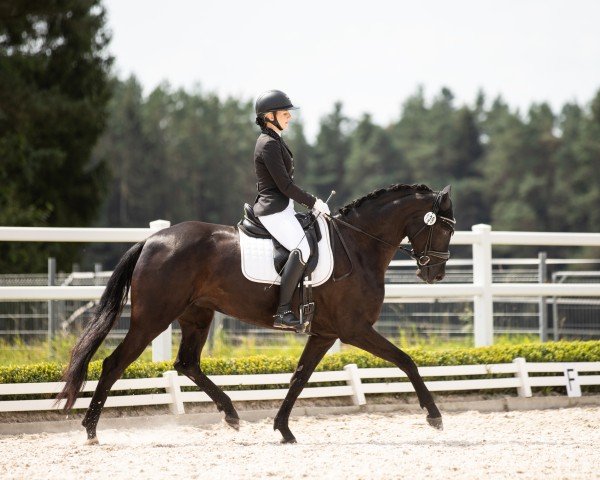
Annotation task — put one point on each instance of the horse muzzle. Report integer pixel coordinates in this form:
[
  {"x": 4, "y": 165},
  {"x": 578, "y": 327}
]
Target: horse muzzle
[{"x": 429, "y": 277}]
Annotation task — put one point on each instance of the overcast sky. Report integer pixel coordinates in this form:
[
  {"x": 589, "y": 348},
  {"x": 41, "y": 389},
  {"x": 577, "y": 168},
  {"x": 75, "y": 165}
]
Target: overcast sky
[{"x": 371, "y": 55}]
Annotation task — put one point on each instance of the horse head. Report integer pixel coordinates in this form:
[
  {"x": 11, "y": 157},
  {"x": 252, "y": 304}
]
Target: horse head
[{"x": 429, "y": 230}]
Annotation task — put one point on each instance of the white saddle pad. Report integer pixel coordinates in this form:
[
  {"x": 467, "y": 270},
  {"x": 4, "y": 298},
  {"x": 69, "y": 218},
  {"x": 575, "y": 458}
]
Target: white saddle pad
[{"x": 257, "y": 258}]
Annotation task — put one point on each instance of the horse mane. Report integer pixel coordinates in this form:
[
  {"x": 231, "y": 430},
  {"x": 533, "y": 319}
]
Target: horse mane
[{"x": 377, "y": 193}]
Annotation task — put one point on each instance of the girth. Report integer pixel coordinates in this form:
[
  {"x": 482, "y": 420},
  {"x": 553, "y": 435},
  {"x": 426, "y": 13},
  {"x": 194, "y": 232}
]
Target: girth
[{"x": 250, "y": 224}]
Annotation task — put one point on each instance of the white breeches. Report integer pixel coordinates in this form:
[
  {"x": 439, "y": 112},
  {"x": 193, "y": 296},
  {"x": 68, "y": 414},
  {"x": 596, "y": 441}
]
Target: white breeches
[{"x": 286, "y": 229}]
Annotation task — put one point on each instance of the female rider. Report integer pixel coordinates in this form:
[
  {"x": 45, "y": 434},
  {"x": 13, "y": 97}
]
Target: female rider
[{"x": 274, "y": 205}]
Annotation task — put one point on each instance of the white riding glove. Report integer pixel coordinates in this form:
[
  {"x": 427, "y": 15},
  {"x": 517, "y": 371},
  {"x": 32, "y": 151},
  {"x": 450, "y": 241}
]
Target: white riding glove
[{"x": 321, "y": 207}]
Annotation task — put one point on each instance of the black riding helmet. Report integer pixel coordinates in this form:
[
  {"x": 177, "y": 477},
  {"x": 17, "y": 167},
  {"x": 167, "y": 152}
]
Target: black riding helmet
[{"x": 272, "y": 101}]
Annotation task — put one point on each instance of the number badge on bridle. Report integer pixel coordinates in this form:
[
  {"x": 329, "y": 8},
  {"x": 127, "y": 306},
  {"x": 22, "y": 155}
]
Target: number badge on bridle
[{"x": 430, "y": 218}]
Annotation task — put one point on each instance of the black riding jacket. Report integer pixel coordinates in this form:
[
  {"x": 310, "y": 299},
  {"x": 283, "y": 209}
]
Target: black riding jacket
[{"x": 274, "y": 167}]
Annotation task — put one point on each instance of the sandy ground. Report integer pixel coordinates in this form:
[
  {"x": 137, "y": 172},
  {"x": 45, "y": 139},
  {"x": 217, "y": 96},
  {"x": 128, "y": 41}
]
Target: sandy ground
[{"x": 549, "y": 444}]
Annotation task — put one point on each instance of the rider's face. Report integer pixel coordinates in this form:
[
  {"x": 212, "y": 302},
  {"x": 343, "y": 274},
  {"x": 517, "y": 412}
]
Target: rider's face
[{"x": 283, "y": 117}]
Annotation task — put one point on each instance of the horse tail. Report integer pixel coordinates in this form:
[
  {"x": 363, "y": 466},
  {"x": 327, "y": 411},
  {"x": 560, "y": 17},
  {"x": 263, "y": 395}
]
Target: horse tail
[{"x": 111, "y": 304}]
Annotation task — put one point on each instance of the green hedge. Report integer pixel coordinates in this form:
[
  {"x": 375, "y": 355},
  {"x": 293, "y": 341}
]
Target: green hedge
[{"x": 546, "y": 352}]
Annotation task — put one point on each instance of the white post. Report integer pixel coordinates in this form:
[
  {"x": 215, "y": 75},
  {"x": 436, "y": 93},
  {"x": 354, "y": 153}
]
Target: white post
[
  {"x": 336, "y": 347},
  {"x": 483, "y": 311},
  {"x": 161, "y": 345},
  {"x": 176, "y": 405},
  {"x": 160, "y": 224},
  {"x": 358, "y": 396},
  {"x": 542, "y": 310},
  {"x": 523, "y": 375}
]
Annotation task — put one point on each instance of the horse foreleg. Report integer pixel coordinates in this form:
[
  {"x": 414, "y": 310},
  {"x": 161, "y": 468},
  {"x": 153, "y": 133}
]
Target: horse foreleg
[
  {"x": 370, "y": 340},
  {"x": 195, "y": 325},
  {"x": 314, "y": 350}
]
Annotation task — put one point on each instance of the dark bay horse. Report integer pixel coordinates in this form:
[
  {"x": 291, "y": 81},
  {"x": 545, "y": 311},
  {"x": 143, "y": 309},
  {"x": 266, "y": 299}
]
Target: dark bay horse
[{"x": 192, "y": 269}]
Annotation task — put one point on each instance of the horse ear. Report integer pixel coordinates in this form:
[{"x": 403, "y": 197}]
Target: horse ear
[{"x": 445, "y": 203}]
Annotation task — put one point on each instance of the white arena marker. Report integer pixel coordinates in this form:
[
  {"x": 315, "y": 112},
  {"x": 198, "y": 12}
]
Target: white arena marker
[{"x": 572, "y": 378}]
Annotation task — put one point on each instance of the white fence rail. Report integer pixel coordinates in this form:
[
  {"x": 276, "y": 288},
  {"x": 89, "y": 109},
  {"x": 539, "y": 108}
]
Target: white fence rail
[
  {"x": 519, "y": 375},
  {"x": 482, "y": 290}
]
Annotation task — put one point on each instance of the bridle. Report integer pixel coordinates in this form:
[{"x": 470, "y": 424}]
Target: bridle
[{"x": 423, "y": 259}]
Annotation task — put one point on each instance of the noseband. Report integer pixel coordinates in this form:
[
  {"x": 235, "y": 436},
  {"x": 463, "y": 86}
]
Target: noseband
[{"x": 423, "y": 259}]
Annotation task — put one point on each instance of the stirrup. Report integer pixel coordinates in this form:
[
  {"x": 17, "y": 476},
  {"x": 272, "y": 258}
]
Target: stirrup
[{"x": 287, "y": 320}]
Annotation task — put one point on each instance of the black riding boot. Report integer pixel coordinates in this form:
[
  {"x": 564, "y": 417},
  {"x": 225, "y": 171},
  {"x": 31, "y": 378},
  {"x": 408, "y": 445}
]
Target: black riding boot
[{"x": 290, "y": 277}]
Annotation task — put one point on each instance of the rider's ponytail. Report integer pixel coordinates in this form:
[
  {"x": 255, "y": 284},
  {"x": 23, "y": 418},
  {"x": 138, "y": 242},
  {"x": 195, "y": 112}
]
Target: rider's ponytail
[{"x": 260, "y": 121}]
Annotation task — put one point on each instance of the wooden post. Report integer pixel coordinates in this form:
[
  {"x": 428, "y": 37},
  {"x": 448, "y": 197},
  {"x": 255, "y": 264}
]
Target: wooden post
[
  {"x": 555, "y": 319},
  {"x": 97, "y": 270},
  {"x": 525, "y": 389},
  {"x": 543, "y": 317},
  {"x": 483, "y": 305},
  {"x": 173, "y": 388},
  {"x": 216, "y": 327},
  {"x": 162, "y": 345},
  {"x": 358, "y": 396},
  {"x": 51, "y": 304},
  {"x": 336, "y": 347}
]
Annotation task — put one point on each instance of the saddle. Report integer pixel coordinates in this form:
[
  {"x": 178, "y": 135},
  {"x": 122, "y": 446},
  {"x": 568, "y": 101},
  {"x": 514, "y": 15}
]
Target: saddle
[{"x": 251, "y": 226}]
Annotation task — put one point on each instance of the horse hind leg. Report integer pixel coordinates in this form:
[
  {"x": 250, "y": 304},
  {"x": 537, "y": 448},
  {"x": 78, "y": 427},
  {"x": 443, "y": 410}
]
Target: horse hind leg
[
  {"x": 195, "y": 324},
  {"x": 147, "y": 322},
  {"x": 113, "y": 367}
]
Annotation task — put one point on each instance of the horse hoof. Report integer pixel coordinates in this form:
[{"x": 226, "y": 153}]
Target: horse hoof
[
  {"x": 92, "y": 441},
  {"x": 436, "y": 422},
  {"x": 289, "y": 440},
  {"x": 233, "y": 422}
]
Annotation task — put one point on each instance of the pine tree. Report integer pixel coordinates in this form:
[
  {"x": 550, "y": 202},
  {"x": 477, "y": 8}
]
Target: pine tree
[
  {"x": 53, "y": 92},
  {"x": 301, "y": 148},
  {"x": 464, "y": 170},
  {"x": 331, "y": 151},
  {"x": 504, "y": 130},
  {"x": 412, "y": 139},
  {"x": 372, "y": 163},
  {"x": 123, "y": 147},
  {"x": 577, "y": 189}
]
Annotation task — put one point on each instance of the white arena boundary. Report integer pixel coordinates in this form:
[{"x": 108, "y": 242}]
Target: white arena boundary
[{"x": 519, "y": 375}]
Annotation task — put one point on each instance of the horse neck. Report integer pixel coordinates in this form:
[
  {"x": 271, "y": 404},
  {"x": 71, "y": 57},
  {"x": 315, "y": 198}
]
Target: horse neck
[{"x": 386, "y": 219}]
